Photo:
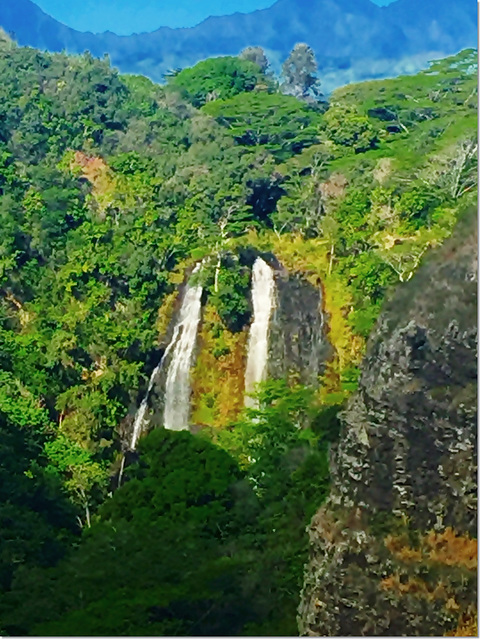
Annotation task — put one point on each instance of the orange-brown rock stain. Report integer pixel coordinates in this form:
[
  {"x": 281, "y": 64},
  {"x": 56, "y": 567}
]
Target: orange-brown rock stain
[
  {"x": 436, "y": 551},
  {"x": 100, "y": 176},
  {"x": 218, "y": 375}
]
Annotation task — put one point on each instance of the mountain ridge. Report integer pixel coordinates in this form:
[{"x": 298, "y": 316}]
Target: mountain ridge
[{"x": 352, "y": 41}]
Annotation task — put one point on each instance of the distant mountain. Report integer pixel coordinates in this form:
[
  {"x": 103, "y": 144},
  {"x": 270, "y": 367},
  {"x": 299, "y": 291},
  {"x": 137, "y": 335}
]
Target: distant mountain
[{"x": 353, "y": 39}]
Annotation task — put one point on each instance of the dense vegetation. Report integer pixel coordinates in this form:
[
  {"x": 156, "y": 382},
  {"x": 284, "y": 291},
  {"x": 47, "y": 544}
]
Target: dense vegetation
[
  {"x": 186, "y": 545},
  {"x": 110, "y": 187}
]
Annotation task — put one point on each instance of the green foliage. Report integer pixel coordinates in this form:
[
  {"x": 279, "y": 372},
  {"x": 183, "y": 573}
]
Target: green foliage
[
  {"x": 79, "y": 98},
  {"x": 216, "y": 78},
  {"x": 20, "y": 406},
  {"x": 432, "y": 107},
  {"x": 352, "y": 217},
  {"x": 283, "y": 446},
  {"x": 234, "y": 558},
  {"x": 302, "y": 209},
  {"x": 159, "y": 559},
  {"x": 85, "y": 260},
  {"x": 232, "y": 297},
  {"x": 36, "y": 521},
  {"x": 90, "y": 240},
  {"x": 363, "y": 318},
  {"x": 282, "y": 124},
  {"x": 178, "y": 478},
  {"x": 81, "y": 473},
  {"x": 110, "y": 187},
  {"x": 278, "y": 436},
  {"x": 347, "y": 127},
  {"x": 413, "y": 208},
  {"x": 395, "y": 169},
  {"x": 276, "y": 426}
]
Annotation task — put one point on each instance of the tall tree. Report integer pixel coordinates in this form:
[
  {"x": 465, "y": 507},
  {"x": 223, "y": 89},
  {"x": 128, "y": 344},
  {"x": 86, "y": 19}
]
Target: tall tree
[
  {"x": 255, "y": 55},
  {"x": 300, "y": 73}
]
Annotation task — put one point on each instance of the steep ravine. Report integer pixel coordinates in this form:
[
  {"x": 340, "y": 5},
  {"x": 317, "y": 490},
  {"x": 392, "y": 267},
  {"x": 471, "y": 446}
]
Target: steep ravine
[{"x": 392, "y": 552}]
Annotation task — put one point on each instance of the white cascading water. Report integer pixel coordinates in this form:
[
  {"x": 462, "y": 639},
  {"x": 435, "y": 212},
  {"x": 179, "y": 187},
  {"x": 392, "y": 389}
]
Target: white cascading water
[
  {"x": 177, "y": 387},
  {"x": 183, "y": 347},
  {"x": 141, "y": 411},
  {"x": 263, "y": 302},
  {"x": 139, "y": 421}
]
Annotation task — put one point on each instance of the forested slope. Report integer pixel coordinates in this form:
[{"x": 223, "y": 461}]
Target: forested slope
[{"x": 111, "y": 187}]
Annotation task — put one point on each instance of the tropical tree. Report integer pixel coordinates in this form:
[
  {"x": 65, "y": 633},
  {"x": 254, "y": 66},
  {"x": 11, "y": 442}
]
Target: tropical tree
[
  {"x": 280, "y": 123},
  {"x": 300, "y": 73},
  {"x": 347, "y": 127},
  {"x": 255, "y": 55},
  {"x": 216, "y": 78}
]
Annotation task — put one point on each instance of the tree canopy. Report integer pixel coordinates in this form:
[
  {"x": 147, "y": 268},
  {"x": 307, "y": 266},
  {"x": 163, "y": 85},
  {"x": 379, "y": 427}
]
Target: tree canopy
[{"x": 217, "y": 78}]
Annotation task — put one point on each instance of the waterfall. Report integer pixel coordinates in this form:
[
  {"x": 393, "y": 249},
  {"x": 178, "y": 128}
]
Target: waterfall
[
  {"x": 263, "y": 301},
  {"x": 177, "y": 388},
  {"x": 139, "y": 421},
  {"x": 141, "y": 411}
]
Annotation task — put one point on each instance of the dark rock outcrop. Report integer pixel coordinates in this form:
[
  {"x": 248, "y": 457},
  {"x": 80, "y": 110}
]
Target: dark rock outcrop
[
  {"x": 298, "y": 343},
  {"x": 405, "y": 465}
]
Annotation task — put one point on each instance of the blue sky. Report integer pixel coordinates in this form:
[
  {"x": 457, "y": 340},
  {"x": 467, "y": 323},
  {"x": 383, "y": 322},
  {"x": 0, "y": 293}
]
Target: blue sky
[{"x": 129, "y": 16}]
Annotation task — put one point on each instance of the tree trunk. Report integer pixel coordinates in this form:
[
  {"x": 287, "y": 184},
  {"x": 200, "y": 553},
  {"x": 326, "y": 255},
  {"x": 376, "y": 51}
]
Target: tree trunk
[
  {"x": 87, "y": 514},
  {"x": 331, "y": 258},
  {"x": 86, "y": 505},
  {"x": 216, "y": 277}
]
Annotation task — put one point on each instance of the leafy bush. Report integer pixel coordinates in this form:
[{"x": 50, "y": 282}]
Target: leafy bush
[
  {"x": 216, "y": 78},
  {"x": 161, "y": 545},
  {"x": 347, "y": 127},
  {"x": 232, "y": 298}
]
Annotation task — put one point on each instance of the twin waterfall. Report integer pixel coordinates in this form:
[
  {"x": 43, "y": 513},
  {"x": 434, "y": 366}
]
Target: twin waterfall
[
  {"x": 182, "y": 346},
  {"x": 263, "y": 302}
]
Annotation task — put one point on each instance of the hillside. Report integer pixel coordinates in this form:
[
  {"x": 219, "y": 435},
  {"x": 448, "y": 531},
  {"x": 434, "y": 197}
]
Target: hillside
[
  {"x": 209, "y": 255},
  {"x": 353, "y": 40}
]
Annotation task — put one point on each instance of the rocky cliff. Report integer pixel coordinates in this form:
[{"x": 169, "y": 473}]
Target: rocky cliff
[
  {"x": 298, "y": 345},
  {"x": 393, "y": 552}
]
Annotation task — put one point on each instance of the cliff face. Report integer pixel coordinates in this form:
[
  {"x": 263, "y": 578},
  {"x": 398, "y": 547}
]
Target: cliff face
[
  {"x": 298, "y": 345},
  {"x": 391, "y": 552},
  {"x": 298, "y": 349}
]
